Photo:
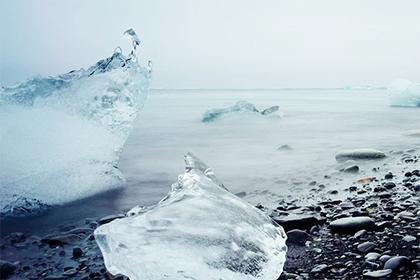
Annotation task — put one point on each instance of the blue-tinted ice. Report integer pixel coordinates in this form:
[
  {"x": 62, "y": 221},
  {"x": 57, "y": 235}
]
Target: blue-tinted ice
[
  {"x": 60, "y": 137},
  {"x": 404, "y": 93},
  {"x": 198, "y": 231},
  {"x": 241, "y": 107}
]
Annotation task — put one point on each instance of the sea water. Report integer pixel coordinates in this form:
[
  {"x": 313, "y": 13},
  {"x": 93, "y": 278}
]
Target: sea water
[{"x": 244, "y": 150}]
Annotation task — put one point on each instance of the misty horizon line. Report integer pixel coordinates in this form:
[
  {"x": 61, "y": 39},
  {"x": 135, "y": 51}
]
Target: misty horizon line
[{"x": 273, "y": 88}]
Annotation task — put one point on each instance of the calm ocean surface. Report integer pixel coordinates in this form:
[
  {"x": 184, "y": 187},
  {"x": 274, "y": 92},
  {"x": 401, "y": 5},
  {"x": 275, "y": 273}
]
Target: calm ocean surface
[{"x": 243, "y": 150}]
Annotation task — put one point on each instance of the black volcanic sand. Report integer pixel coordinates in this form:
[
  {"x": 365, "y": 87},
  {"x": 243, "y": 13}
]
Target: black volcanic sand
[{"x": 384, "y": 244}]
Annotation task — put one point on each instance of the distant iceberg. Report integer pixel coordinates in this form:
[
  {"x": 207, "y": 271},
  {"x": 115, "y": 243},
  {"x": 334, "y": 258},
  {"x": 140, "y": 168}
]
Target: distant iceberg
[
  {"x": 198, "y": 231},
  {"x": 60, "y": 137},
  {"x": 404, "y": 93},
  {"x": 241, "y": 107}
]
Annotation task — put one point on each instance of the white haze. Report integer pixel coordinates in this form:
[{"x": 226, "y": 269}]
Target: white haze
[{"x": 219, "y": 44}]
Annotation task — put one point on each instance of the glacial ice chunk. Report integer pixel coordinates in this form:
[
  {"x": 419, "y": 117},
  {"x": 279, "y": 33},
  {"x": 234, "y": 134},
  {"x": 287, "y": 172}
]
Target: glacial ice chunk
[
  {"x": 60, "y": 137},
  {"x": 198, "y": 231},
  {"x": 404, "y": 93},
  {"x": 240, "y": 107}
]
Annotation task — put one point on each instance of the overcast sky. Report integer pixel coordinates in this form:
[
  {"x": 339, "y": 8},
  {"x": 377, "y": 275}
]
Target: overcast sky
[{"x": 219, "y": 44}]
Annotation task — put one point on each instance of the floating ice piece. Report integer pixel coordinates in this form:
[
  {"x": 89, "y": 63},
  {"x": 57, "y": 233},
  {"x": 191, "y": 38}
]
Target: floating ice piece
[
  {"x": 60, "y": 137},
  {"x": 198, "y": 231},
  {"x": 413, "y": 133},
  {"x": 404, "y": 93},
  {"x": 239, "y": 107},
  {"x": 359, "y": 154}
]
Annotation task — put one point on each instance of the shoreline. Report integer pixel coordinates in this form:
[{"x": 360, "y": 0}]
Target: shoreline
[{"x": 391, "y": 201}]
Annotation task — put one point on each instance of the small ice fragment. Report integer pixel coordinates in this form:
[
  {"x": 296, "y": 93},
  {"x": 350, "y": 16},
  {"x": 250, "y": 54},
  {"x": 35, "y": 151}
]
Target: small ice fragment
[
  {"x": 240, "y": 107},
  {"x": 404, "y": 93}
]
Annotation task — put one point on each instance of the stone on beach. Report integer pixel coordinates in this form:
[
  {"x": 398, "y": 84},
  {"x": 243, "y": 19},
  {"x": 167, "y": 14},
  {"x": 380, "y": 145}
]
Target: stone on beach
[
  {"x": 352, "y": 169},
  {"x": 366, "y": 247},
  {"x": 359, "y": 154},
  {"x": 297, "y": 237},
  {"x": 378, "y": 273},
  {"x": 397, "y": 262},
  {"x": 352, "y": 225},
  {"x": 296, "y": 222},
  {"x": 6, "y": 269}
]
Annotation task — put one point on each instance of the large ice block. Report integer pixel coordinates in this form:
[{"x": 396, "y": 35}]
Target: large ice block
[
  {"x": 198, "y": 231},
  {"x": 60, "y": 137}
]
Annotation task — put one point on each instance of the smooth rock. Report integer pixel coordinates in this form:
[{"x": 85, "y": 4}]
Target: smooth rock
[
  {"x": 396, "y": 263},
  {"x": 360, "y": 233},
  {"x": 378, "y": 273},
  {"x": 371, "y": 257},
  {"x": 285, "y": 148},
  {"x": 389, "y": 185},
  {"x": 366, "y": 247},
  {"x": 351, "y": 225},
  {"x": 6, "y": 269},
  {"x": 77, "y": 252},
  {"x": 60, "y": 240},
  {"x": 359, "y": 154},
  {"x": 409, "y": 238},
  {"x": 297, "y": 237},
  {"x": 384, "y": 258},
  {"x": 296, "y": 222},
  {"x": 70, "y": 272},
  {"x": 352, "y": 169},
  {"x": 319, "y": 268}
]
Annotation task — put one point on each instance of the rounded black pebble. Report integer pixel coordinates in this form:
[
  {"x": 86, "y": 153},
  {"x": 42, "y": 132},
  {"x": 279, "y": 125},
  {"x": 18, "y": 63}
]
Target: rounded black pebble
[
  {"x": 397, "y": 262},
  {"x": 389, "y": 185},
  {"x": 297, "y": 237},
  {"x": 77, "y": 252},
  {"x": 389, "y": 175},
  {"x": 408, "y": 174},
  {"x": 6, "y": 269}
]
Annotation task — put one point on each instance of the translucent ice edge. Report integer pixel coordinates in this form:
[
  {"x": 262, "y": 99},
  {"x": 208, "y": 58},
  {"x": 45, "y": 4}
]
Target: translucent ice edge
[
  {"x": 404, "y": 93},
  {"x": 241, "y": 107},
  {"x": 60, "y": 137},
  {"x": 198, "y": 231}
]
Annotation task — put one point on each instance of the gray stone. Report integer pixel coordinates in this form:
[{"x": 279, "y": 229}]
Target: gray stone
[
  {"x": 359, "y": 154},
  {"x": 396, "y": 263},
  {"x": 6, "y": 269},
  {"x": 77, "y": 252},
  {"x": 366, "y": 247},
  {"x": 352, "y": 169},
  {"x": 371, "y": 257},
  {"x": 319, "y": 268},
  {"x": 360, "y": 233},
  {"x": 384, "y": 258},
  {"x": 409, "y": 238},
  {"x": 378, "y": 273},
  {"x": 297, "y": 237},
  {"x": 389, "y": 185},
  {"x": 296, "y": 222},
  {"x": 351, "y": 225},
  {"x": 285, "y": 148}
]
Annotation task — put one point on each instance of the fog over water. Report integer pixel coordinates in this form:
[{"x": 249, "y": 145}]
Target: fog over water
[
  {"x": 219, "y": 44},
  {"x": 232, "y": 46}
]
